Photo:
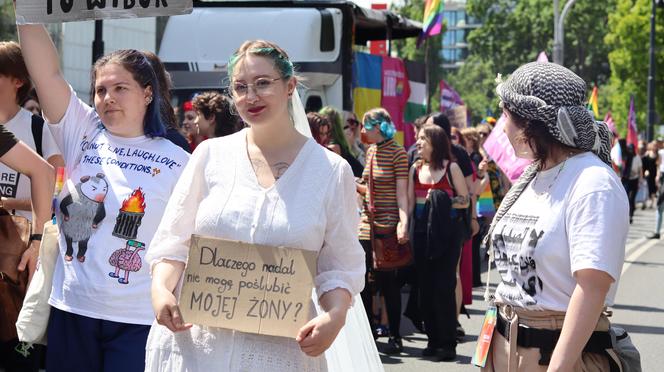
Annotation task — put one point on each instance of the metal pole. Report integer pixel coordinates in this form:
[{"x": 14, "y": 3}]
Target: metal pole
[
  {"x": 556, "y": 33},
  {"x": 651, "y": 76},
  {"x": 427, "y": 80},
  {"x": 98, "y": 42},
  {"x": 559, "y": 31}
]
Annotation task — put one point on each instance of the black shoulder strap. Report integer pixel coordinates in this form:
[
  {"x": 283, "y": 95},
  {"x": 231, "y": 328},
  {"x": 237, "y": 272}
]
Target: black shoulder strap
[
  {"x": 448, "y": 174},
  {"x": 37, "y": 131}
]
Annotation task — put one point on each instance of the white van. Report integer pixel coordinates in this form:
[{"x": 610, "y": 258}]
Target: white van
[{"x": 318, "y": 36}]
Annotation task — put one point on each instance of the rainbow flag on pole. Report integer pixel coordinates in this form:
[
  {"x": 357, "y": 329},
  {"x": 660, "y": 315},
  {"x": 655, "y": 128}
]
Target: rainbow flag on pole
[
  {"x": 432, "y": 23},
  {"x": 592, "y": 103}
]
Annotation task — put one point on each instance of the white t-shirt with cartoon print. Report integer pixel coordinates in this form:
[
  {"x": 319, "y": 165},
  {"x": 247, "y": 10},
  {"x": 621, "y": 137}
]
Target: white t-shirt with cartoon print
[
  {"x": 110, "y": 206},
  {"x": 571, "y": 217},
  {"x": 12, "y": 183}
]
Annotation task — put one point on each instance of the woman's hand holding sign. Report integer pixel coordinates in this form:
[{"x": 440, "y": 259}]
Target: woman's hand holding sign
[
  {"x": 318, "y": 334},
  {"x": 165, "y": 276}
]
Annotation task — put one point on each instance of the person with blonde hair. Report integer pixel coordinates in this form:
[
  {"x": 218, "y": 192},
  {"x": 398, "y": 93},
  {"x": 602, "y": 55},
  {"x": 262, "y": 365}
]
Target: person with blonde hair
[
  {"x": 352, "y": 132},
  {"x": 268, "y": 184}
]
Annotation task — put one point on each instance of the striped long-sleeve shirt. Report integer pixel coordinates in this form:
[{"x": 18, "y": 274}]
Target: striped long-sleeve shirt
[{"x": 390, "y": 163}]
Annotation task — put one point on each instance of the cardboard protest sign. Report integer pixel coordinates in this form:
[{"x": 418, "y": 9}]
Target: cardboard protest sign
[
  {"x": 499, "y": 148},
  {"x": 247, "y": 287},
  {"x": 56, "y": 11}
]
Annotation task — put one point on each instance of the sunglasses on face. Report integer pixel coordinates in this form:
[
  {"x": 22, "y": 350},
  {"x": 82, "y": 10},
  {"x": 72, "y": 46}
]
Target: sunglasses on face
[{"x": 369, "y": 126}]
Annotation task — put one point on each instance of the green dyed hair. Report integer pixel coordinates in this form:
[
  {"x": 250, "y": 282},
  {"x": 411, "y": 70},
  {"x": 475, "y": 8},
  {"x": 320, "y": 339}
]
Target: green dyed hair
[
  {"x": 264, "y": 49},
  {"x": 336, "y": 120}
]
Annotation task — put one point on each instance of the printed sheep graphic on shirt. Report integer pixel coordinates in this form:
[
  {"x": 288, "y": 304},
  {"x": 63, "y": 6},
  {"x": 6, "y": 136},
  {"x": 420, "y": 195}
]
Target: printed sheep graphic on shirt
[{"x": 82, "y": 211}]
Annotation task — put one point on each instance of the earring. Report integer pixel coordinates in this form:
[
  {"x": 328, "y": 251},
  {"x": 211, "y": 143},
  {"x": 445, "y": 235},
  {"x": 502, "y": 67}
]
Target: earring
[{"x": 149, "y": 100}]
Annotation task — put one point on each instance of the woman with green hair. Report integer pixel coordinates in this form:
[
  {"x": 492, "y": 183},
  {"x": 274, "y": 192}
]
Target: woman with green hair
[{"x": 338, "y": 142}]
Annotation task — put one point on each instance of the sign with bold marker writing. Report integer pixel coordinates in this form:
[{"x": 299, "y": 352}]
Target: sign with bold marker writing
[
  {"x": 56, "y": 11},
  {"x": 247, "y": 287}
]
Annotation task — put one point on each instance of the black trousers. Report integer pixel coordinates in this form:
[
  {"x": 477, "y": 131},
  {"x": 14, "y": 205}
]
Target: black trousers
[
  {"x": 477, "y": 259},
  {"x": 437, "y": 282},
  {"x": 632, "y": 187},
  {"x": 388, "y": 284},
  {"x": 12, "y": 361}
]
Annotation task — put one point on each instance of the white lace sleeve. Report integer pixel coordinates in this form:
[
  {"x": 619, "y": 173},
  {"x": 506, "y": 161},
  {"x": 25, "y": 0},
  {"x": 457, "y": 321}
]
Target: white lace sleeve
[
  {"x": 341, "y": 259},
  {"x": 171, "y": 241}
]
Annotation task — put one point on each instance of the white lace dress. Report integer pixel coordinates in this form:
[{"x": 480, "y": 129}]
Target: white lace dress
[{"x": 312, "y": 206}]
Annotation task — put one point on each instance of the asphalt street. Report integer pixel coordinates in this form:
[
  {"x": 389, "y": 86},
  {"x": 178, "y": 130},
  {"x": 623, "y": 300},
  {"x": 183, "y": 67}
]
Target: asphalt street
[{"x": 639, "y": 308}]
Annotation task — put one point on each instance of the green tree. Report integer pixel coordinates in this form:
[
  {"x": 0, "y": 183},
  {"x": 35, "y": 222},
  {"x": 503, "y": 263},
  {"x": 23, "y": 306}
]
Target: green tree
[
  {"x": 514, "y": 32},
  {"x": 7, "y": 23},
  {"x": 628, "y": 39},
  {"x": 408, "y": 48},
  {"x": 475, "y": 81}
]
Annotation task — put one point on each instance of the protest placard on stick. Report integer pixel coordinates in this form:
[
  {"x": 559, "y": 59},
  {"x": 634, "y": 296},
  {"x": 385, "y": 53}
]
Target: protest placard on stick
[
  {"x": 498, "y": 147},
  {"x": 247, "y": 287},
  {"x": 57, "y": 11}
]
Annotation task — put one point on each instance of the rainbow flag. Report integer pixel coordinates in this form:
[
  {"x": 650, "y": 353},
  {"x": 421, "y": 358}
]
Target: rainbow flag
[
  {"x": 432, "y": 23},
  {"x": 485, "y": 205},
  {"x": 592, "y": 102}
]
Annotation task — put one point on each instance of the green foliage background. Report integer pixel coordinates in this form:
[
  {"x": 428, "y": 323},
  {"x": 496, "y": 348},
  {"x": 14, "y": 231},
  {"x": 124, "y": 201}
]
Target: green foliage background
[
  {"x": 606, "y": 43},
  {"x": 408, "y": 49},
  {"x": 7, "y": 22},
  {"x": 629, "y": 40}
]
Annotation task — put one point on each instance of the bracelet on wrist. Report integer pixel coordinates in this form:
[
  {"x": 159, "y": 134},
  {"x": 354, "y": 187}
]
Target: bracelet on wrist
[{"x": 35, "y": 237}]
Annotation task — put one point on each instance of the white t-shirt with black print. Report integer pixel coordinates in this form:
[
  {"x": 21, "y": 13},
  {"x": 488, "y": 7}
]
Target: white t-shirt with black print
[
  {"x": 12, "y": 183},
  {"x": 110, "y": 206},
  {"x": 571, "y": 217}
]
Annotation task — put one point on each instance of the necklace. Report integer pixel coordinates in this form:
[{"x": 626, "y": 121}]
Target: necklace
[{"x": 548, "y": 188}]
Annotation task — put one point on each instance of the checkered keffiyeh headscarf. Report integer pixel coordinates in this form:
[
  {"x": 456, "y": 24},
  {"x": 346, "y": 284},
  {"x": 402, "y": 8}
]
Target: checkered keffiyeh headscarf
[{"x": 556, "y": 96}]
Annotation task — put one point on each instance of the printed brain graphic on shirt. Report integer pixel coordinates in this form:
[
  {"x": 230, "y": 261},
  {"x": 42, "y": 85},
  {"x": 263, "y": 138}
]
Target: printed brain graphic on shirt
[{"x": 128, "y": 259}]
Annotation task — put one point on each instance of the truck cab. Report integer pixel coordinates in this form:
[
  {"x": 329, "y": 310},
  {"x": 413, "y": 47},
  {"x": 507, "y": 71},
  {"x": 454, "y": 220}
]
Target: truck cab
[{"x": 317, "y": 35}]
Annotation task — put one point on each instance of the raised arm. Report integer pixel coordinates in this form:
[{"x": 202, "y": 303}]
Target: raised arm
[
  {"x": 43, "y": 64},
  {"x": 42, "y": 180}
]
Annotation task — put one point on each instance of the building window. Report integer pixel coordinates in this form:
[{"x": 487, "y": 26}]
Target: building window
[
  {"x": 470, "y": 20},
  {"x": 460, "y": 36},
  {"x": 448, "y": 38},
  {"x": 460, "y": 18},
  {"x": 450, "y": 19}
]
